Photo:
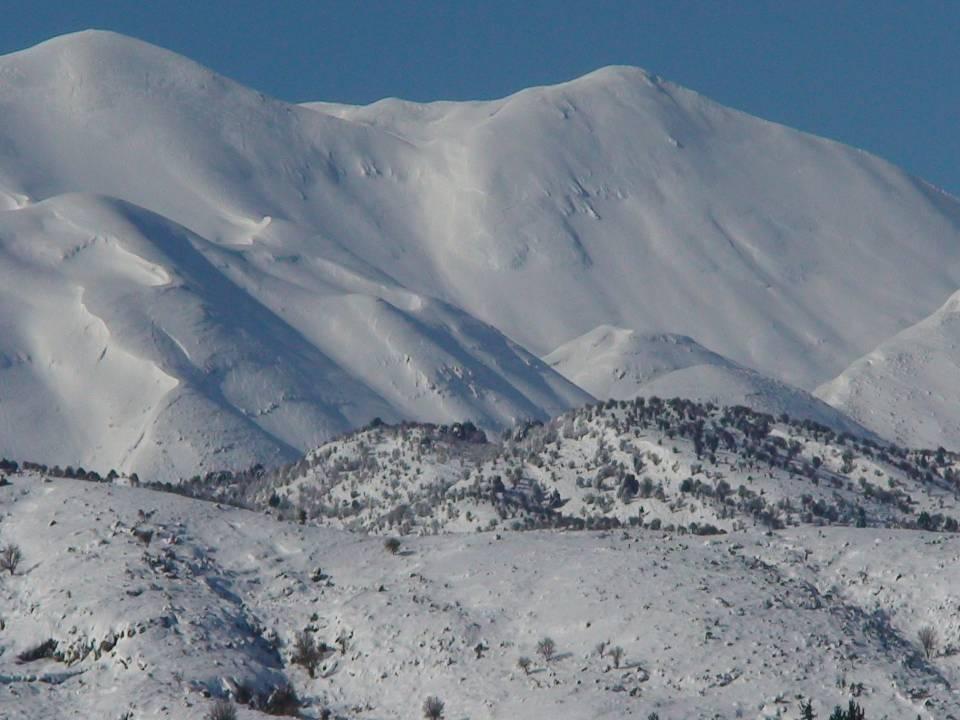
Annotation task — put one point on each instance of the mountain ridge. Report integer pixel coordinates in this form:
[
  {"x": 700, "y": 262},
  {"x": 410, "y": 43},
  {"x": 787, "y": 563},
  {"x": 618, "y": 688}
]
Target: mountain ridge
[{"x": 421, "y": 259}]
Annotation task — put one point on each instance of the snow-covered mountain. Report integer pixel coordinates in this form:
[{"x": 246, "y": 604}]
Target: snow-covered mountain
[
  {"x": 198, "y": 281},
  {"x": 125, "y": 345},
  {"x": 908, "y": 389},
  {"x": 621, "y": 364},
  {"x": 197, "y": 275},
  {"x": 613, "y": 363}
]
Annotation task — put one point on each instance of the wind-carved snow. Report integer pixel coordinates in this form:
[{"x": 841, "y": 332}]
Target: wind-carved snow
[{"x": 299, "y": 270}]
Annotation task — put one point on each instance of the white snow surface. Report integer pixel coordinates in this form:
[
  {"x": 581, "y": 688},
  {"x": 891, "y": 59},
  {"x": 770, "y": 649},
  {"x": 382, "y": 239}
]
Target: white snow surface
[
  {"x": 197, "y": 275},
  {"x": 733, "y": 626},
  {"x": 908, "y": 389}
]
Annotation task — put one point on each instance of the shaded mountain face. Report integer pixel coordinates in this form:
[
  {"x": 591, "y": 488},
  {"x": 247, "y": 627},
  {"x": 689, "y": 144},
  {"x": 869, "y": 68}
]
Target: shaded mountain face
[
  {"x": 127, "y": 346},
  {"x": 199, "y": 276}
]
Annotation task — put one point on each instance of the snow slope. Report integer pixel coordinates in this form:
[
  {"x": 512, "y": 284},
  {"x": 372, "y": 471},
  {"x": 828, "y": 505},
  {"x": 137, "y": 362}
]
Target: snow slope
[
  {"x": 334, "y": 263},
  {"x": 621, "y": 364},
  {"x": 612, "y": 363},
  {"x": 126, "y": 346},
  {"x": 209, "y": 604},
  {"x": 619, "y": 198},
  {"x": 908, "y": 388}
]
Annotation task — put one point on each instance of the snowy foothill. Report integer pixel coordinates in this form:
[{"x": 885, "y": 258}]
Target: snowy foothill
[{"x": 158, "y": 604}]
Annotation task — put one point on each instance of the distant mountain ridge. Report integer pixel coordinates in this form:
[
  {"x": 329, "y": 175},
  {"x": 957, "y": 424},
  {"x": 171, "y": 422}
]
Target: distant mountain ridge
[
  {"x": 622, "y": 364},
  {"x": 908, "y": 388},
  {"x": 199, "y": 276}
]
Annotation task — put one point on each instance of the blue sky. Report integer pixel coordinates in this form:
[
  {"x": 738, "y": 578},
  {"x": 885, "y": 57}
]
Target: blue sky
[{"x": 884, "y": 76}]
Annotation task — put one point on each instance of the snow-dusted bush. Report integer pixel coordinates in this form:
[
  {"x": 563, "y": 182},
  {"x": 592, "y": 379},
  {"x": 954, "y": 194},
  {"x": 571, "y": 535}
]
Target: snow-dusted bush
[
  {"x": 853, "y": 712},
  {"x": 39, "y": 651},
  {"x": 927, "y": 635},
  {"x": 343, "y": 641}
]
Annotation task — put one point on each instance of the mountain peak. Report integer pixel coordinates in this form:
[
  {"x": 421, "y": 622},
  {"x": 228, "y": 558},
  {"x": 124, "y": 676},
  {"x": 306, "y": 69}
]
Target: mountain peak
[
  {"x": 105, "y": 65},
  {"x": 95, "y": 40},
  {"x": 93, "y": 45}
]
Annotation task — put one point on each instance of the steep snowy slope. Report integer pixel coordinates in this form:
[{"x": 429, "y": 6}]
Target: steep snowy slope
[
  {"x": 125, "y": 346},
  {"x": 387, "y": 260},
  {"x": 622, "y": 199},
  {"x": 616, "y": 198},
  {"x": 620, "y": 364},
  {"x": 154, "y": 605},
  {"x": 908, "y": 389}
]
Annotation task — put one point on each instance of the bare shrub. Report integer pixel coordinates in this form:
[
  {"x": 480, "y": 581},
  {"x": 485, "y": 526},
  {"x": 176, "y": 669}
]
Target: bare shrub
[
  {"x": 392, "y": 545},
  {"x": 524, "y": 664},
  {"x": 10, "y": 557},
  {"x": 927, "y": 635},
  {"x": 222, "y": 710},
  {"x": 306, "y": 652},
  {"x": 433, "y": 708},
  {"x": 616, "y": 653},
  {"x": 143, "y": 535},
  {"x": 282, "y": 700},
  {"x": 546, "y": 648}
]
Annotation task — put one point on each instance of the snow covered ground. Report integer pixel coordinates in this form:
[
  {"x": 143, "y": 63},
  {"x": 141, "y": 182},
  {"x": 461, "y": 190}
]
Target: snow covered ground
[{"x": 208, "y": 606}]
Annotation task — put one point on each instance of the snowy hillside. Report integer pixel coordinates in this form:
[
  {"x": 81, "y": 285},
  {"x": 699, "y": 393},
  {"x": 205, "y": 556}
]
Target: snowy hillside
[
  {"x": 675, "y": 464},
  {"x": 197, "y": 276},
  {"x": 621, "y": 199},
  {"x": 613, "y": 363},
  {"x": 621, "y": 364},
  {"x": 908, "y": 389},
  {"x": 134, "y": 604}
]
